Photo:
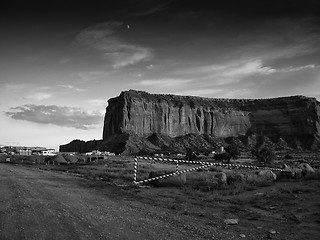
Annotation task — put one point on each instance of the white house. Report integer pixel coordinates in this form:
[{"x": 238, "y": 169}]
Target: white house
[{"x": 48, "y": 152}]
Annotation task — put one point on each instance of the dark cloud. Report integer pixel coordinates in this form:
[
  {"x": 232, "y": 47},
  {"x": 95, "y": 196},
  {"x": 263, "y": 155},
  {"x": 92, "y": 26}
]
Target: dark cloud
[
  {"x": 56, "y": 115},
  {"x": 253, "y": 7},
  {"x": 122, "y": 8},
  {"x": 102, "y": 38},
  {"x": 83, "y": 11}
]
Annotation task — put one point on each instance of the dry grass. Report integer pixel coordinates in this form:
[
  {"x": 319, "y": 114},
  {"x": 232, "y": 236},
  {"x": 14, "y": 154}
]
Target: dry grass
[{"x": 119, "y": 170}]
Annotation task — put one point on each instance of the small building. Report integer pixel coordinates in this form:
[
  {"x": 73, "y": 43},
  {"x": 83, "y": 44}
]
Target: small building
[
  {"x": 37, "y": 150},
  {"x": 107, "y": 153},
  {"x": 48, "y": 152},
  {"x": 93, "y": 158},
  {"x": 222, "y": 149},
  {"x": 24, "y": 151}
]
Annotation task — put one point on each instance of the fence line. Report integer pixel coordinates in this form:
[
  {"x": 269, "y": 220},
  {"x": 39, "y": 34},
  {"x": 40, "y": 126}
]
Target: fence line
[
  {"x": 203, "y": 165},
  {"x": 170, "y": 174}
]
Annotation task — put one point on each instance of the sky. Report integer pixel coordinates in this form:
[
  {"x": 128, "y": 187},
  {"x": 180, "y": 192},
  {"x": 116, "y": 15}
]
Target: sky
[{"x": 61, "y": 62}]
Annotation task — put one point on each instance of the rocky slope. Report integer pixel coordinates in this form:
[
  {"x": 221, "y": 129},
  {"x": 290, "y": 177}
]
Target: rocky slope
[{"x": 285, "y": 121}]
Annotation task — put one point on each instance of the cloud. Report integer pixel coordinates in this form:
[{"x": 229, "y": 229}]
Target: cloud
[
  {"x": 46, "y": 92},
  {"x": 225, "y": 73},
  {"x": 164, "y": 82},
  {"x": 70, "y": 87},
  {"x": 150, "y": 67},
  {"x": 245, "y": 78},
  {"x": 283, "y": 39},
  {"x": 155, "y": 7},
  {"x": 56, "y": 115},
  {"x": 64, "y": 61},
  {"x": 39, "y": 96},
  {"x": 200, "y": 92},
  {"x": 317, "y": 96},
  {"x": 209, "y": 80},
  {"x": 129, "y": 55},
  {"x": 294, "y": 69},
  {"x": 251, "y": 67},
  {"x": 14, "y": 86},
  {"x": 97, "y": 102},
  {"x": 232, "y": 68},
  {"x": 90, "y": 76},
  {"x": 238, "y": 71},
  {"x": 102, "y": 38}
]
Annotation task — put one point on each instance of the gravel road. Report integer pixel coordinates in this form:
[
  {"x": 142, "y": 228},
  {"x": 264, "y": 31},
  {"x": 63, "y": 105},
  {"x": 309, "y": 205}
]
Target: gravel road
[{"x": 37, "y": 204}]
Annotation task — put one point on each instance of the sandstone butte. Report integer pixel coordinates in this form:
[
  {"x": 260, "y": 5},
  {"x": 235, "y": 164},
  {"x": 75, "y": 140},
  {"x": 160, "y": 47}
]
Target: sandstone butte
[{"x": 137, "y": 121}]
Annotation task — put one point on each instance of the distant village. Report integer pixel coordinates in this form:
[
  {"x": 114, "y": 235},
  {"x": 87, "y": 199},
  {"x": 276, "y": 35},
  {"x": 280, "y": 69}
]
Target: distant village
[
  {"x": 26, "y": 151},
  {"x": 49, "y": 155}
]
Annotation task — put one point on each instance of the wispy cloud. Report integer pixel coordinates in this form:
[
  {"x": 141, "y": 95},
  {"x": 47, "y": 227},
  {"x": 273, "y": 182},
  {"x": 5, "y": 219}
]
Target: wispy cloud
[
  {"x": 90, "y": 76},
  {"x": 14, "y": 86},
  {"x": 56, "y": 115},
  {"x": 208, "y": 80},
  {"x": 150, "y": 67},
  {"x": 70, "y": 87},
  {"x": 157, "y": 6},
  {"x": 64, "y": 60},
  {"x": 225, "y": 73},
  {"x": 245, "y": 78},
  {"x": 39, "y": 96},
  {"x": 103, "y": 39},
  {"x": 46, "y": 92},
  {"x": 97, "y": 102},
  {"x": 164, "y": 82},
  {"x": 200, "y": 92},
  {"x": 248, "y": 68},
  {"x": 294, "y": 69},
  {"x": 281, "y": 39}
]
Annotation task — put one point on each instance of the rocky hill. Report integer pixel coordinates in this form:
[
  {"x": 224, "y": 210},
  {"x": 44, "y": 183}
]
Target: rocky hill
[{"x": 163, "y": 120}]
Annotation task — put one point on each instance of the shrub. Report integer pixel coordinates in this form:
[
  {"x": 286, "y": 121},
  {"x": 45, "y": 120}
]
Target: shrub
[
  {"x": 313, "y": 176},
  {"x": 264, "y": 155},
  {"x": 288, "y": 156},
  {"x": 175, "y": 180},
  {"x": 203, "y": 181},
  {"x": 221, "y": 156},
  {"x": 233, "y": 151}
]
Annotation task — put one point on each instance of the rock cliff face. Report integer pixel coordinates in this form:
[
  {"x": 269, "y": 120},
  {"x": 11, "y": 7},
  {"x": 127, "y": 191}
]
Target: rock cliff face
[
  {"x": 139, "y": 122},
  {"x": 293, "y": 119}
]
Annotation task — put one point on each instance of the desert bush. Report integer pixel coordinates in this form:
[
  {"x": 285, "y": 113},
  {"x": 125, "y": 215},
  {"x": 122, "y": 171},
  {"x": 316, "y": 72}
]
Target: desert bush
[
  {"x": 313, "y": 176},
  {"x": 236, "y": 182},
  {"x": 176, "y": 180},
  {"x": 123, "y": 175},
  {"x": 235, "y": 177},
  {"x": 203, "y": 181},
  {"x": 265, "y": 155},
  {"x": 288, "y": 156},
  {"x": 236, "y": 188},
  {"x": 221, "y": 156},
  {"x": 215, "y": 169},
  {"x": 232, "y": 151},
  {"x": 306, "y": 169},
  {"x": 255, "y": 179},
  {"x": 294, "y": 189}
]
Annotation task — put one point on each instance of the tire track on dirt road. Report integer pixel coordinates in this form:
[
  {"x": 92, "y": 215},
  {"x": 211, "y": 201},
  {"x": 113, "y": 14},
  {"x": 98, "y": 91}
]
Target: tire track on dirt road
[{"x": 37, "y": 204}]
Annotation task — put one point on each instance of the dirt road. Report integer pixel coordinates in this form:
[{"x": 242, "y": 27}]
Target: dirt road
[
  {"x": 41, "y": 204},
  {"x": 37, "y": 204}
]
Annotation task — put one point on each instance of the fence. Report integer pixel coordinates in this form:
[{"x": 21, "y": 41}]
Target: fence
[{"x": 203, "y": 165}]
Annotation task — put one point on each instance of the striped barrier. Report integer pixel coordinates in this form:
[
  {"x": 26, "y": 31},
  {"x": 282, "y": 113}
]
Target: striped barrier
[
  {"x": 203, "y": 165},
  {"x": 170, "y": 174}
]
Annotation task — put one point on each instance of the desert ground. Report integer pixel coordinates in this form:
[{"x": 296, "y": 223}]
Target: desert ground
[{"x": 99, "y": 201}]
